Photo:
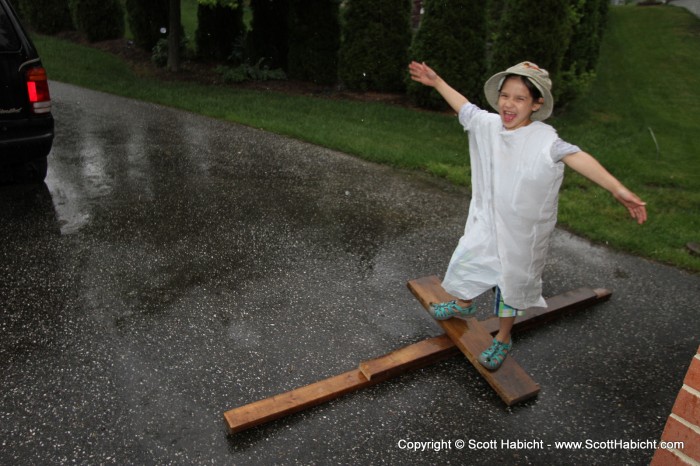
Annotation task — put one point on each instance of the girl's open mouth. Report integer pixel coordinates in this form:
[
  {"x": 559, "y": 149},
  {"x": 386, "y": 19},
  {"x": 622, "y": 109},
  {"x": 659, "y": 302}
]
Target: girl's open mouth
[{"x": 508, "y": 117}]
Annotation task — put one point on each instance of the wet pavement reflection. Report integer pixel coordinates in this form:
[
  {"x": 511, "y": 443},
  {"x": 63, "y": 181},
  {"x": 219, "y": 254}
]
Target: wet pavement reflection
[{"x": 173, "y": 267}]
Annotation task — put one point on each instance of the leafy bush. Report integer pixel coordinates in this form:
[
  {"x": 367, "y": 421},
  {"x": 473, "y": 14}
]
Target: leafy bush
[
  {"x": 248, "y": 72},
  {"x": 573, "y": 83},
  {"x": 159, "y": 54},
  {"x": 314, "y": 38},
  {"x": 47, "y": 16},
  {"x": 376, "y": 38},
  {"x": 451, "y": 40},
  {"x": 98, "y": 19}
]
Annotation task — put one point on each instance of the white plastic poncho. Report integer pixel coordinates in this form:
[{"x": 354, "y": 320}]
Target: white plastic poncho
[{"x": 513, "y": 210}]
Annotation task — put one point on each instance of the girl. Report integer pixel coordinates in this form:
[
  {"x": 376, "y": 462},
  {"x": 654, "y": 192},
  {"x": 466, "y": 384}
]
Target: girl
[{"x": 517, "y": 165}]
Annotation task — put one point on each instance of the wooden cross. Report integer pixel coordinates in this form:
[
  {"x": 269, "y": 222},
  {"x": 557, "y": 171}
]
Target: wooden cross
[{"x": 467, "y": 336}]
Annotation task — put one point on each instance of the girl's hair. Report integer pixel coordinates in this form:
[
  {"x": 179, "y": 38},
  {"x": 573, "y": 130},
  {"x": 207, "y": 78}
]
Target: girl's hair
[{"x": 534, "y": 92}]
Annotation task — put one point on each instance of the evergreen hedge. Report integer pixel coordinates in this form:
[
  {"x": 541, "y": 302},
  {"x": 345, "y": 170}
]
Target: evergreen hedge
[
  {"x": 534, "y": 30},
  {"x": 451, "y": 39},
  {"x": 587, "y": 34},
  {"x": 46, "y": 16},
  {"x": 463, "y": 40},
  {"x": 376, "y": 37},
  {"x": 268, "y": 37},
  {"x": 314, "y": 38},
  {"x": 220, "y": 30},
  {"x": 98, "y": 19},
  {"x": 581, "y": 58},
  {"x": 494, "y": 13},
  {"x": 146, "y": 18}
]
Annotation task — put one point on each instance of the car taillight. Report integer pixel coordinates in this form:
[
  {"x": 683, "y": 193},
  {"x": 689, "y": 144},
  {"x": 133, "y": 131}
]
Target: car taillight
[{"x": 38, "y": 90}]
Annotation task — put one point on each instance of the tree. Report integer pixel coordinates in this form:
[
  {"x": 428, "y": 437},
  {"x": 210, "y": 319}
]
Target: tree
[
  {"x": 374, "y": 51},
  {"x": 314, "y": 38},
  {"x": 451, "y": 39}
]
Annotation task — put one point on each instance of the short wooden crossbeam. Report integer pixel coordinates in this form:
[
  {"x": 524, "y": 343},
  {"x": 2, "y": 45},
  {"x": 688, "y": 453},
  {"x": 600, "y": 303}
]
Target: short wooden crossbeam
[
  {"x": 411, "y": 357},
  {"x": 510, "y": 381}
]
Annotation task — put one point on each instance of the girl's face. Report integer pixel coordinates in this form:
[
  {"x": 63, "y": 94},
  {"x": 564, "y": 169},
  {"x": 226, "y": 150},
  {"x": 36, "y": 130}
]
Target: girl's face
[{"x": 516, "y": 104}]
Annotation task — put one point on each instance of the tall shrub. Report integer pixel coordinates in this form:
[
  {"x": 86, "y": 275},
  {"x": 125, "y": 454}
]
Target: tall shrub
[
  {"x": 603, "y": 6},
  {"x": 581, "y": 58},
  {"x": 494, "y": 11},
  {"x": 376, "y": 38},
  {"x": 146, "y": 19},
  {"x": 452, "y": 40},
  {"x": 416, "y": 13},
  {"x": 587, "y": 34},
  {"x": 494, "y": 14},
  {"x": 220, "y": 29},
  {"x": 535, "y": 30},
  {"x": 46, "y": 16},
  {"x": 314, "y": 38},
  {"x": 98, "y": 19},
  {"x": 268, "y": 39}
]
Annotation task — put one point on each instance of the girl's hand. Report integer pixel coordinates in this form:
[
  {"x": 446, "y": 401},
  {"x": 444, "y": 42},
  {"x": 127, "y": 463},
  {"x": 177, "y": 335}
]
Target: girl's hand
[
  {"x": 585, "y": 164},
  {"x": 634, "y": 204},
  {"x": 420, "y": 72},
  {"x": 423, "y": 74}
]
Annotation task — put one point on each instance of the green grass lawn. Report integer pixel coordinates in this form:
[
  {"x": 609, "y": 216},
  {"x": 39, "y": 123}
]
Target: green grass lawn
[
  {"x": 648, "y": 87},
  {"x": 648, "y": 81}
]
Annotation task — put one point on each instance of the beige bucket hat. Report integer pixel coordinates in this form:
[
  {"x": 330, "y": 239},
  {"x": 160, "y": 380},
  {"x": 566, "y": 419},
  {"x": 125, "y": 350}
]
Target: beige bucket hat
[{"x": 537, "y": 76}]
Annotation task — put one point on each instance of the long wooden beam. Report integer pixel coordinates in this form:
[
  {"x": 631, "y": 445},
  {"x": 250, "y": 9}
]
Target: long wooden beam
[
  {"x": 377, "y": 370},
  {"x": 415, "y": 356}
]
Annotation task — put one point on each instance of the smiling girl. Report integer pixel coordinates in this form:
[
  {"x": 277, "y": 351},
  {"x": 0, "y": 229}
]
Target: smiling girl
[{"x": 517, "y": 166}]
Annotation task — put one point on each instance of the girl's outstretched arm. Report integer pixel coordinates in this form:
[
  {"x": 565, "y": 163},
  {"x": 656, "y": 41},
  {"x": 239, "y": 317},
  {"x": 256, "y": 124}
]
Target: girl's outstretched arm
[
  {"x": 422, "y": 73},
  {"x": 589, "y": 167}
]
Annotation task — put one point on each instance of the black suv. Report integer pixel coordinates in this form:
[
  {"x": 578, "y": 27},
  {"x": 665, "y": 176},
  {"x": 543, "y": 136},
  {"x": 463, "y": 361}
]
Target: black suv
[{"x": 26, "y": 123}]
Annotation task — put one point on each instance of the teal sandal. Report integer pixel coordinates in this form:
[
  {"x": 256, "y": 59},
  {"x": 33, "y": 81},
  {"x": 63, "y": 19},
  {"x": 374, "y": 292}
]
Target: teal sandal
[
  {"x": 494, "y": 356},
  {"x": 443, "y": 311}
]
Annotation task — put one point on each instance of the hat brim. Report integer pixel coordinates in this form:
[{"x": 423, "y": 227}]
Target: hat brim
[{"x": 493, "y": 84}]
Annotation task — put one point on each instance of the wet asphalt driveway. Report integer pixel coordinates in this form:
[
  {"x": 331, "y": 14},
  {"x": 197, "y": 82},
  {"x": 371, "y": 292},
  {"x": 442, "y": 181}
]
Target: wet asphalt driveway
[{"x": 174, "y": 267}]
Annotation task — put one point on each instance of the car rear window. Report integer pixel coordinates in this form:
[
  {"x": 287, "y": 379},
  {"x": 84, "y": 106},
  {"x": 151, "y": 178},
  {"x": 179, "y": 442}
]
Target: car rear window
[{"x": 9, "y": 41}]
